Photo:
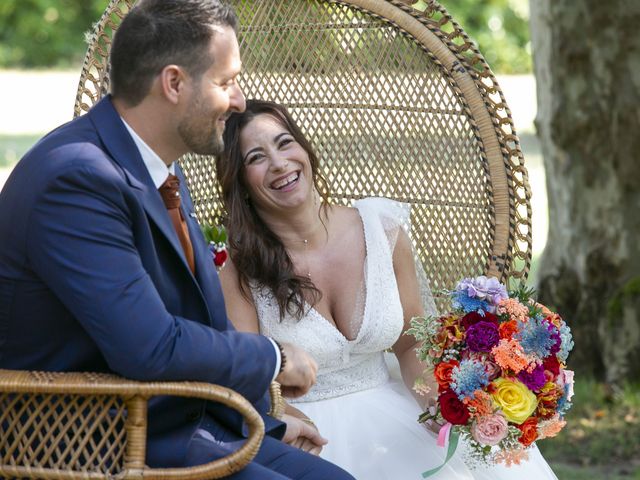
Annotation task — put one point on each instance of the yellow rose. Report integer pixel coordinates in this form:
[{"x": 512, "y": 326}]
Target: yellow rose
[{"x": 515, "y": 400}]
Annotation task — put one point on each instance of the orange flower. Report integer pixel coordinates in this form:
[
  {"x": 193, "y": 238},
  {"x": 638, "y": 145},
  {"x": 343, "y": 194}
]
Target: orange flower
[
  {"x": 442, "y": 372},
  {"x": 480, "y": 405},
  {"x": 529, "y": 429},
  {"x": 511, "y": 457},
  {"x": 514, "y": 309},
  {"x": 545, "y": 311},
  {"x": 555, "y": 319},
  {"x": 449, "y": 334},
  {"x": 508, "y": 329},
  {"x": 548, "y": 399},
  {"x": 509, "y": 355},
  {"x": 550, "y": 427}
]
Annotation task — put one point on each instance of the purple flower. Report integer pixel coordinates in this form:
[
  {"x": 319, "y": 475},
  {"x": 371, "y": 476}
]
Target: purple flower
[
  {"x": 535, "y": 379},
  {"x": 483, "y": 288},
  {"x": 555, "y": 335},
  {"x": 482, "y": 336}
]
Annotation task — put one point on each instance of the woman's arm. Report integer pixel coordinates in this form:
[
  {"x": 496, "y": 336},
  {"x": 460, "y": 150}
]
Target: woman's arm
[
  {"x": 240, "y": 310},
  {"x": 406, "y": 277}
]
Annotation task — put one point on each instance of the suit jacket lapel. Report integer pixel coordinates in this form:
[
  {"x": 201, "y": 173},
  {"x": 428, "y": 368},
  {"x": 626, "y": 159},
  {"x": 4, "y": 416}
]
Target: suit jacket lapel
[
  {"x": 205, "y": 269},
  {"x": 124, "y": 152}
]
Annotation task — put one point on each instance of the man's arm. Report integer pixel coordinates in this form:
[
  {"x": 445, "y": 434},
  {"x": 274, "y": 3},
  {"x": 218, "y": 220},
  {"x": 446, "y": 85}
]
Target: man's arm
[{"x": 81, "y": 243}]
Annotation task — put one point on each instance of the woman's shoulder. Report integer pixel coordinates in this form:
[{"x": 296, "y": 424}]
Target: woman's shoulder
[
  {"x": 344, "y": 220},
  {"x": 392, "y": 214}
]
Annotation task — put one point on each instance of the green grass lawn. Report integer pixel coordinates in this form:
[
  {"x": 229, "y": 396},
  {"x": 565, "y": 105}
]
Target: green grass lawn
[
  {"x": 12, "y": 147},
  {"x": 602, "y": 436}
]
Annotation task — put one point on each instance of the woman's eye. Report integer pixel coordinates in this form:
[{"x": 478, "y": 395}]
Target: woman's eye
[
  {"x": 284, "y": 142},
  {"x": 254, "y": 158}
]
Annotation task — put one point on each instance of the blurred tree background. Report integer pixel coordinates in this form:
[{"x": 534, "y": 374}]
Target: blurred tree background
[{"x": 45, "y": 33}]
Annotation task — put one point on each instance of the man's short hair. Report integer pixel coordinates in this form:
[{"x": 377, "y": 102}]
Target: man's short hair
[{"x": 157, "y": 33}]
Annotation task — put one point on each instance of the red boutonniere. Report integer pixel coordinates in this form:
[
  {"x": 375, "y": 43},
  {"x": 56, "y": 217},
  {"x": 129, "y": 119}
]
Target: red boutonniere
[{"x": 216, "y": 237}]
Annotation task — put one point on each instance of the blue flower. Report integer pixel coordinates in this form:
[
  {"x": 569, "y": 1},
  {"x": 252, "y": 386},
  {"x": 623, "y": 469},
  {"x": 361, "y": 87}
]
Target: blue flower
[
  {"x": 462, "y": 301},
  {"x": 567, "y": 342},
  {"x": 536, "y": 337},
  {"x": 468, "y": 377},
  {"x": 563, "y": 403}
]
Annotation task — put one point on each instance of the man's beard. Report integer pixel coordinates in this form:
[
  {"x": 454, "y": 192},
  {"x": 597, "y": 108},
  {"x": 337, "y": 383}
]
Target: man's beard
[{"x": 195, "y": 134}]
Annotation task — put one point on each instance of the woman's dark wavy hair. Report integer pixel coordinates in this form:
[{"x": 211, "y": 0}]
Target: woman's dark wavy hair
[{"x": 257, "y": 253}]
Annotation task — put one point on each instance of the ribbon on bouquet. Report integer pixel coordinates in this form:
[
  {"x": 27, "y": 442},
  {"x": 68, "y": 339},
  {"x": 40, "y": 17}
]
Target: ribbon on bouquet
[{"x": 445, "y": 435}]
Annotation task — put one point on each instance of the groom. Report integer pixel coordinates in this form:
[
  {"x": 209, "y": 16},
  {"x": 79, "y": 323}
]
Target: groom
[{"x": 102, "y": 264}]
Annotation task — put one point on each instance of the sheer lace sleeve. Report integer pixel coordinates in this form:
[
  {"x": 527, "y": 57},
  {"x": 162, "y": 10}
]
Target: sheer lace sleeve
[{"x": 395, "y": 215}]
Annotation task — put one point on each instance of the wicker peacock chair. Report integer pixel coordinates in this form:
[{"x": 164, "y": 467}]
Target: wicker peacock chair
[{"x": 398, "y": 103}]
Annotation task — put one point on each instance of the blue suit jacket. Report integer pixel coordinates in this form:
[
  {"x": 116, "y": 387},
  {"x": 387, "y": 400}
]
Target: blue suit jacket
[{"x": 93, "y": 278}]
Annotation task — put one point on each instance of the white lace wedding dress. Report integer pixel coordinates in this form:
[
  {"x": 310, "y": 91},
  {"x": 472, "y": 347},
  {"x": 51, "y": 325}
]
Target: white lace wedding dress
[{"x": 369, "y": 418}]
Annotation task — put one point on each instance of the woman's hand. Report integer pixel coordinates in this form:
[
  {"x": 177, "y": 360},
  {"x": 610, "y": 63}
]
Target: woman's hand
[
  {"x": 303, "y": 435},
  {"x": 430, "y": 424}
]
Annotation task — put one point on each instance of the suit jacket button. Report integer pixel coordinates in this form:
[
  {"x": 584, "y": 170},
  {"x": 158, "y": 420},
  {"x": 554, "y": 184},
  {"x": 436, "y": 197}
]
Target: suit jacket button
[{"x": 193, "y": 416}]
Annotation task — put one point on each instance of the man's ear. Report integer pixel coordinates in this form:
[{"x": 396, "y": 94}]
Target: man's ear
[{"x": 172, "y": 81}]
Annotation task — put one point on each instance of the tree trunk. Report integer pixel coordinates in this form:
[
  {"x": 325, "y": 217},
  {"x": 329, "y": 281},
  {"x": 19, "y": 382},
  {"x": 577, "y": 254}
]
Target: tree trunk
[{"x": 587, "y": 66}]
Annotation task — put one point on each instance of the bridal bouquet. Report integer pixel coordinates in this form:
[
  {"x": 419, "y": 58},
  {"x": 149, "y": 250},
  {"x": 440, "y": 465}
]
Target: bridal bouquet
[{"x": 499, "y": 363}]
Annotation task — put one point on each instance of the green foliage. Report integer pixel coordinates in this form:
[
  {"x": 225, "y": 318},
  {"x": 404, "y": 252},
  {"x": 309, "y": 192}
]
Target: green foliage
[
  {"x": 45, "y": 33},
  {"x": 214, "y": 234},
  {"x": 499, "y": 27},
  {"x": 49, "y": 33}
]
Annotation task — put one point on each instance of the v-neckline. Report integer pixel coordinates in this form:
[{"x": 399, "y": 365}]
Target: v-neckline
[{"x": 365, "y": 272}]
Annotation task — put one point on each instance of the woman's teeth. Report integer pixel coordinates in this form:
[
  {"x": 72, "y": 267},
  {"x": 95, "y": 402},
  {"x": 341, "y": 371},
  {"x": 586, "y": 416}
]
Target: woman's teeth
[{"x": 285, "y": 181}]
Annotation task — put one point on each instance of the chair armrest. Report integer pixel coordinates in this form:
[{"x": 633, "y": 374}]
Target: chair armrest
[{"x": 59, "y": 425}]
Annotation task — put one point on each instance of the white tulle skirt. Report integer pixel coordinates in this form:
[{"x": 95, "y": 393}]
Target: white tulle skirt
[{"x": 374, "y": 435}]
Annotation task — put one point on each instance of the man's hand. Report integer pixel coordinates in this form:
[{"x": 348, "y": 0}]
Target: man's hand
[
  {"x": 299, "y": 372},
  {"x": 302, "y": 435}
]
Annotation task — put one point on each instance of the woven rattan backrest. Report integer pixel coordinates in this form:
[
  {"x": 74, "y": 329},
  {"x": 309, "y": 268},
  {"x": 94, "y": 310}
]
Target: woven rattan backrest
[{"x": 398, "y": 103}]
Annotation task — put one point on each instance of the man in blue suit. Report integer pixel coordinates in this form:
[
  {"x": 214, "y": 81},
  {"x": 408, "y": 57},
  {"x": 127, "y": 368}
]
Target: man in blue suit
[{"x": 97, "y": 275}]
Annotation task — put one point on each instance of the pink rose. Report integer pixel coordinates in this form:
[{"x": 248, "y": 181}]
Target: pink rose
[{"x": 489, "y": 429}]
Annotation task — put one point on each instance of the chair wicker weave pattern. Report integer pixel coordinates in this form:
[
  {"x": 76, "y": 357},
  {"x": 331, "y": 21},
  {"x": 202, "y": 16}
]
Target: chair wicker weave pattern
[
  {"x": 398, "y": 103},
  {"x": 79, "y": 433},
  {"x": 92, "y": 425}
]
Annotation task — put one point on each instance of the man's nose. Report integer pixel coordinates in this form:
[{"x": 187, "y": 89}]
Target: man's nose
[{"x": 237, "y": 101}]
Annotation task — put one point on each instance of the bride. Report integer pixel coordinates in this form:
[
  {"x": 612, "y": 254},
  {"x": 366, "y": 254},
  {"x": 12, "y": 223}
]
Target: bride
[{"x": 341, "y": 283}]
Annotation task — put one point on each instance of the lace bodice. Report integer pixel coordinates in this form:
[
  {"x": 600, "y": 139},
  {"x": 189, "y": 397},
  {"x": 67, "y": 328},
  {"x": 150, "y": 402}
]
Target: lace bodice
[{"x": 347, "y": 366}]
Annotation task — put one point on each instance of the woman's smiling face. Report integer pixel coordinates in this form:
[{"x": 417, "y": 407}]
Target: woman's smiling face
[{"x": 277, "y": 171}]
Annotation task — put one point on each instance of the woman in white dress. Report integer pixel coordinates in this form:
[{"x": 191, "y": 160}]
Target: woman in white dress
[{"x": 341, "y": 283}]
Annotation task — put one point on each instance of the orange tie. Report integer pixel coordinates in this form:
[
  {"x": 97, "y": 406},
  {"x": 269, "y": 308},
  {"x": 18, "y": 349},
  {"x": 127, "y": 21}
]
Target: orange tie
[{"x": 170, "y": 192}]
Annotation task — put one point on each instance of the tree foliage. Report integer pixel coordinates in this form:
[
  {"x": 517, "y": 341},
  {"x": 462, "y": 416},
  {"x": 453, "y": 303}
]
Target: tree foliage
[
  {"x": 500, "y": 28},
  {"x": 45, "y": 33},
  {"x": 50, "y": 33}
]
